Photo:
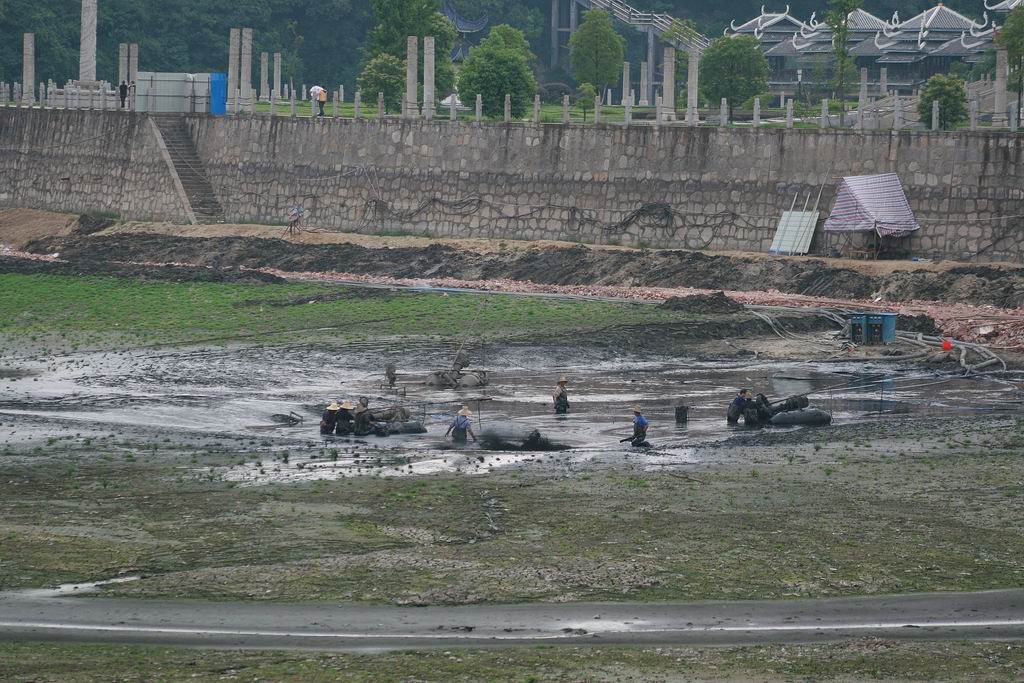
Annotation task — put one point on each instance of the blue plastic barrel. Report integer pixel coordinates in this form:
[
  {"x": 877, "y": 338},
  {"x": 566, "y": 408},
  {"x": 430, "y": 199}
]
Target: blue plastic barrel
[{"x": 218, "y": 94}]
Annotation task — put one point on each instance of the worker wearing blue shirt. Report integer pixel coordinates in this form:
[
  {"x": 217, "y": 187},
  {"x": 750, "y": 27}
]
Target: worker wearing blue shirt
[
  {"x": 640, "y": 424},
  {"x": 739, "y": 405}
]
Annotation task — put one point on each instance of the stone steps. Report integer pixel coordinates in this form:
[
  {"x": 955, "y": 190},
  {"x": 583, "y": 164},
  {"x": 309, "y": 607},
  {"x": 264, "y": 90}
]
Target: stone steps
[{"x": 190, "y": 169}]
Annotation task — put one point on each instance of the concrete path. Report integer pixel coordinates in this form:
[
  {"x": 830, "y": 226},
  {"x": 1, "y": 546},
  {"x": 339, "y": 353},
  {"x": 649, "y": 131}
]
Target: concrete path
[{"x": 38, "y": 615}]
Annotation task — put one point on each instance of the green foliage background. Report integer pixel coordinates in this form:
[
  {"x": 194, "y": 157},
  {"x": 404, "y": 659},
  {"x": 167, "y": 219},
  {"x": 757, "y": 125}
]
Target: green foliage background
[{"x": 192, "y": 35}]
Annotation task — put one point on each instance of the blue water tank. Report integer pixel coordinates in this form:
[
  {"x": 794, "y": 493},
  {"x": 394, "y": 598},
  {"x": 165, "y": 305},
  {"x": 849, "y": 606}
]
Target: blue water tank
[{"x": 218, "y": 94}]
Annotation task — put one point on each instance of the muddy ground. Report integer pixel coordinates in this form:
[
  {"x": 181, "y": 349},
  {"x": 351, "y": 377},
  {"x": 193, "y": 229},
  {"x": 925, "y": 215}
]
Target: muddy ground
[{"x": 1001, "y": 286}]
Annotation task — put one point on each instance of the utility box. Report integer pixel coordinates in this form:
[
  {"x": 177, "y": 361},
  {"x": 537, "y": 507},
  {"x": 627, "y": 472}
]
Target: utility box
[
  {"x": 881, "y": 328},
  {"x": 858, "y": 327}
]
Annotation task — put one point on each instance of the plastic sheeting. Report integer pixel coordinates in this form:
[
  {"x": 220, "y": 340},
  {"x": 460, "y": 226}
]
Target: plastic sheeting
[{"x": 872, "y": 202}]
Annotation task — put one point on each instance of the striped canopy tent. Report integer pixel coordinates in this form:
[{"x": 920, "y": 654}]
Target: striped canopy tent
[{"x": 872, "y": 202}]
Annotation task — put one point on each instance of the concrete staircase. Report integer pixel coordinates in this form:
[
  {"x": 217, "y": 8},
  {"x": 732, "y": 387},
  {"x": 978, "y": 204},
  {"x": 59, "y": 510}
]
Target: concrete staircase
[{"x": 190, "y": 170}]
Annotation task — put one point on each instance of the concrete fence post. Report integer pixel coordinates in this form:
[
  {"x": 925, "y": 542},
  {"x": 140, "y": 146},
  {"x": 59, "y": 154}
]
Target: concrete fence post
[
  {"x": 357, "y": 104},
  {"x": 429, "y": 108},
  {"x": 411, "y": 108},
  {"x": 935, "y": 114},
  {"x": 294, "y": 110},
  {"x": 536, "y": 109},
  {"x": 381, "y": 109},
  {"x": 479, "y": 113},
  {"x": 824, "y": 119},
  {"x": 668, "y": 82},
  {"x": 28, "y": 66},
  {"x": 508, "y": 108},
  {"x": 453, "y": 111},
  {"x": 1014, "y": 118},
  {"x": 692, "y": 89},
  {"x": 273, "y": 102},
  {"x": 628, "y": 112},
  {"x": 658, "y": 103},
  {"x": 972, "y": 113},
  {"x": 565, "y": 109},
  {"x": 625, "y": 83},
  {"x": 597, "y": 109},
  {"x": 234, "y": 48},
  {"x": 860, "y": 115},
  {"x": 789, "y": 113},
  {"x": 723, "y": 113},
  {"x": 999, "y": 94},
  {"x": 897, "y": 113},
  {"x": 757, "y": 112}
]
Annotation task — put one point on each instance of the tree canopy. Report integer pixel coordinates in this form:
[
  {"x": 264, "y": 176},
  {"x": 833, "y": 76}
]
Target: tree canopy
[
  {"x": 396, "y": 20},
  {"x": 734, "y": 68},
  {"x": 1011, "y": 37},
  {"x": 949, "y": 91},
  {"x": 384, "y": 74},
  {"x": 499, "y": 66},
  {"x": 838, "y": 19},
  {"x": 596, "y": 51}
]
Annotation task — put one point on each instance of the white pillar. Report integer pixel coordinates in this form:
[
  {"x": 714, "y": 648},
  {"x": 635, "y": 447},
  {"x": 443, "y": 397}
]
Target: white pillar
[
  {"x": 508, "y": 108},
  {"x": 122, "y": 64},
  {"x": 453, "y": 111},
  {"x": 644, "y": 71},
  {"x": 28, "y": 66},
  {"x": 668, "y": 83},
  {"x": 264, "y": 77},
  {"x": 935, "y": 114},
  {"x": 1014, "y": 118},
  {"x": 692, "y": 82},
  {"x": 412, "y": 107},
  {"x": 657, "y": 110},
  {"x": 428, "y": 77},
  {"x": 723, "y": 113},
  {"x": 133, "y": 62},
  {"x": 536, "y": 108},
  {"x": 234, "y": 43},
  {"x": 883, "y": 84},
  {"x": 291, "y": 101},
  {"x": 357, "y": 104},
  {"x": 757, "y": 112},
  {"x": 245, "y": 82},
  {"x": 862, "y": 97},
  {"x": 825, "y": 118},
  {"x": 628, "y": 104},
  {"x": 277, "y": 74},
  {"x": 597, "y": 109},
  {"x": 380, "y": 106},
  {"x": 789, "y": 113},
  {"x": 625, "y": 83},
  {"x": 479, "y": 109},
  {"x": 565, "y": 109},
  {"x": 897, "y": 112},
  {"x": 972, "y": 113},
  {"x": 1002, "y": 70},
  {"x": 87, "y": 49},
  {"x": 555, "y": 14},
  {"x": 652, "y": 66}
]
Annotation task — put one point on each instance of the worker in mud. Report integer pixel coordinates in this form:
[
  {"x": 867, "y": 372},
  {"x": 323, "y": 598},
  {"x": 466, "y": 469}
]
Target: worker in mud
[
  {"x": 364, "y": 421},
  {"x": 461, "y": 361},
  {"x": 461, "y": 426},
  {"x": 390, "y": 375},
  {"x": 329, "y": 419},
  {"x": 343, "y": 422},
  {"x": 744, "y": 399},
  {"x": 561, "y": 396},
  {"x": 640, "y": 424}
]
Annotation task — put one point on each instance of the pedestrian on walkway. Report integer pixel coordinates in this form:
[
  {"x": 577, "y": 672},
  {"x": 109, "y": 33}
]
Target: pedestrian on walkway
[
  {"x": 123, "y": 92},
  {"x": 319, "y": 95}
]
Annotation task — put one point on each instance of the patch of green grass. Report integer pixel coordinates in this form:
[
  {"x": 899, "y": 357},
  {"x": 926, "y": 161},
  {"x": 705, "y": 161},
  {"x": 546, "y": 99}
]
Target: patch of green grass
[
  {"x": 866, "y": 659},
  {"x": 65, "y": 311}
]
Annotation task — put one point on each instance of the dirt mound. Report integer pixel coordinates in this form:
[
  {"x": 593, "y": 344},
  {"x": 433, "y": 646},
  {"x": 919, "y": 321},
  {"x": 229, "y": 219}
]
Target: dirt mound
[
  {"x": 998, "y": 286},
  {"x": 159, "y": 273},
  {"x": 89, "y": 224},
  {"x": 717, "y": 302}
]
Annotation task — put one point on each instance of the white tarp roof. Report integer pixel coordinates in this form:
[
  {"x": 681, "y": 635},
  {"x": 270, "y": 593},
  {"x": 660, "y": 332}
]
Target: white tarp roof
[{"x": 872, "y": 202}]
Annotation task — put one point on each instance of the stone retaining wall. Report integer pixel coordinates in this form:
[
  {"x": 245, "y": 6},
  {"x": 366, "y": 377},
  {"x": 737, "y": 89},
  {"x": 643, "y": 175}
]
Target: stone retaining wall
[
  {"x": 716, "y": 188},
  {"x": 670, "y": 187},
  {"x": 84, "y": 161}
]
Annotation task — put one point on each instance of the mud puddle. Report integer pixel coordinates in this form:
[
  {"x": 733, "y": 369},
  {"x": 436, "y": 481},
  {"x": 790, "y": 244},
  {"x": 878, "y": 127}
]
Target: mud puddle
[{"x": 236, "y": 396}]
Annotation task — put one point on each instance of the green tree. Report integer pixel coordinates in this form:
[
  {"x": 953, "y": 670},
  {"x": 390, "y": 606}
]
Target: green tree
[
  {"x": 596, "y": 51},
  {"x": 734, "y": 68},
  {"x": 585, "y": 96},
  {"x": 838, "y": 19},
  {"x": 952, "y": 97},
  {"x": 292, "y": 62},
  {"x": 499, "y": 66},
  {"x": 1011, "y": 37},
  {"x": 399, "y": 19},
  {"x": 384, "y": 74}
]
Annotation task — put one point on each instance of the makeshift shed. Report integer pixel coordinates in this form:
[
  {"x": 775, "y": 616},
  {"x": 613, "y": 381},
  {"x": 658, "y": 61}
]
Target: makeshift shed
[{"x": 872, "y": 204}]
